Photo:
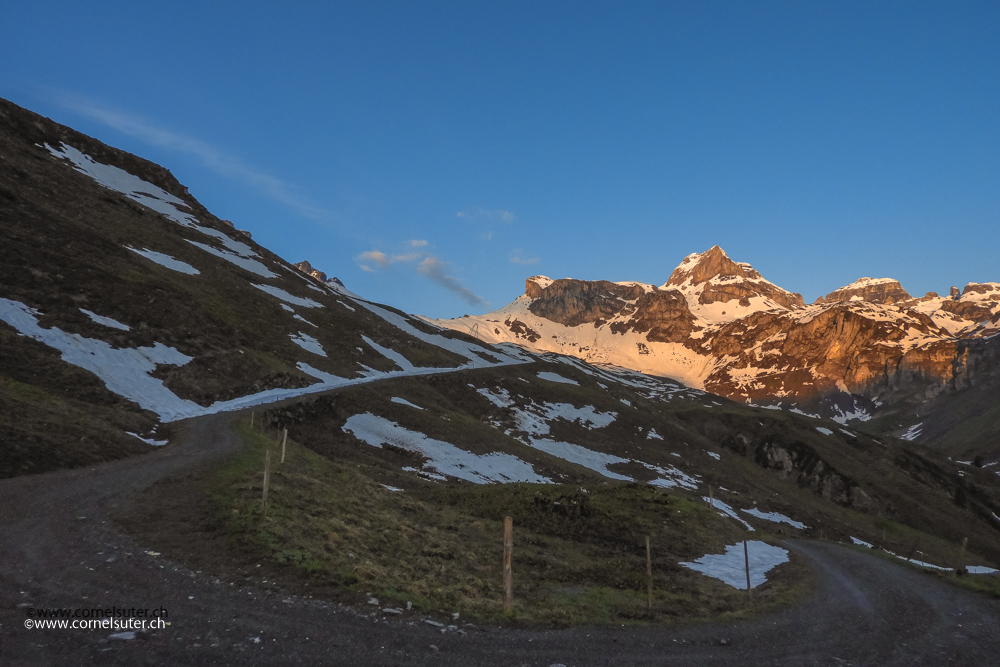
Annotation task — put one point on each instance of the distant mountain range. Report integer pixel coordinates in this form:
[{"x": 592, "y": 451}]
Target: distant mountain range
[{"x": 865, "y": 350}]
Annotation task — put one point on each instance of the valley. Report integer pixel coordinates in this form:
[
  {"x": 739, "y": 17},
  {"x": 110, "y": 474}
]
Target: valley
[{"x": 155, "y": 361}]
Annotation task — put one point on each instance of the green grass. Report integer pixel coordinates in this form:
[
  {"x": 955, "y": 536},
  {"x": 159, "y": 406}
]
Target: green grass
[{"x": 579, "y": 555}]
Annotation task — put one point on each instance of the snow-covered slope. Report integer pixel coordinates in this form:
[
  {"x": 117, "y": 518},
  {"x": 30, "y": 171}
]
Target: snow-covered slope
[
  {"x": 719, "y": 325},
  {"x": 125, "y": 302}
]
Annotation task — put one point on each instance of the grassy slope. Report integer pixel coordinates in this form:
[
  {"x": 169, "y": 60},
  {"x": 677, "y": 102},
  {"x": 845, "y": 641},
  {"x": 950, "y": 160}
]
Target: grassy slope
[
  {"x": 580, "y": 543},
  {"x": 64, "y": 238},
  {"x": 579, "y": 556}
]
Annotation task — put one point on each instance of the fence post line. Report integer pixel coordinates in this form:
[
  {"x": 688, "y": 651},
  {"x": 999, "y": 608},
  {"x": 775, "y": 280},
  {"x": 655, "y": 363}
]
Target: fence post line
[
  {"x": 284, "y": 439},
  {"x": 508, "y": 574},
  {"x": 746, "y": 562},
  {"x": 649, "y": 577},
  {"x": 711, "y": 498},
  {"x": 267, "y": 476}
]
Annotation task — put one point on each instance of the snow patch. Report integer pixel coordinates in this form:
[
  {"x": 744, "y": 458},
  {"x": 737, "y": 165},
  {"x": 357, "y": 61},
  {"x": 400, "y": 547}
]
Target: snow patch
[
  {"x": 392, "y": 355},
  {"x": 246, "y": 263},
  {"x": 443, "y": 457},
  {"x": 308, "y": 343},
  {"x": 124, "y": 371},
  {"x": 555, "y": 377},
  {"x": 588, "y": 458},
  {"x": 403, "y": 401},
  {"x": 775, "y": 517},
  {"x": 166, "y": 261},
  {"x": 148, "y": 441},
  {"x": 730, "y": 567},
  {"x": 725, "y": 510},
  {"x": 824, "y": 430},
  {"x": 281, "y": 294},
  {"x": 106, "y": 321}
]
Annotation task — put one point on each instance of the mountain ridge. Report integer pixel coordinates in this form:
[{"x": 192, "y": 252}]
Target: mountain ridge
[{"x": 718, "y": 325}]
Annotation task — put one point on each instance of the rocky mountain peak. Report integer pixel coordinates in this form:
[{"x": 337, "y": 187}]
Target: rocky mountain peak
[
  {"x": 307, "y": 268},
  {"x": 698, "y": 268},
  {"x": 712, "y": 277},
  {"x": 873, "y": 290},
  {"x": 534, "y": 285}
]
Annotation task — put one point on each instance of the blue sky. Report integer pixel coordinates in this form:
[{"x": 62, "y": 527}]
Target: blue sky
[{"x": 433, "y": 155}]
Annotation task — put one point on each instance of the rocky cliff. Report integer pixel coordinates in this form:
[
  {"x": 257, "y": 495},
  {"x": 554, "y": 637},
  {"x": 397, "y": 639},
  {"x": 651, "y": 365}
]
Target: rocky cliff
[{"x": 717, "y": 324}]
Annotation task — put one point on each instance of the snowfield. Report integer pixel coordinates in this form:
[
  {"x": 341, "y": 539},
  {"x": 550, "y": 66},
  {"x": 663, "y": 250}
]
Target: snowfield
[
  {"x": 126, "y": 371},
  {"x": 532, "y": 422}
]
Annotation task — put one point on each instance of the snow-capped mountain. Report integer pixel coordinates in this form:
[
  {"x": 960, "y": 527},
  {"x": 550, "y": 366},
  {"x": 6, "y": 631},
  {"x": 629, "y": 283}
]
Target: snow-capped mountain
[{"x": 719, "y": 325}]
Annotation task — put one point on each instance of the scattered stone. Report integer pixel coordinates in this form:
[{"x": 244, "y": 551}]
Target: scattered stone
[
  {"x": 392, "y": 610},
  {"x": 373, "y": 601},
  {"x": 122, "y": 635},
  {"x": 454, "y": 616},
  {"x": 434, "y": 648},
  {"x": 409, "y": 606},
  {"x": 434, "y": 623}
]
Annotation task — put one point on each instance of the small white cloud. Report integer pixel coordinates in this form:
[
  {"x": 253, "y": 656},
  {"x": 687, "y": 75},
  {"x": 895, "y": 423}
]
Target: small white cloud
[
  {"x": 516, "y": 258},
  {"x": 429, "y": 266},
  {"x": 377, "y": 257},
  {"x": 486, "y": 214}
]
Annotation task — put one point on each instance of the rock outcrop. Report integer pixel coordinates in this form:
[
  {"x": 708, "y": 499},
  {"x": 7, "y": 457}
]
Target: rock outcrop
[
  {"x": 872, "y": 290},
  {"x": 306, "y": 268}
]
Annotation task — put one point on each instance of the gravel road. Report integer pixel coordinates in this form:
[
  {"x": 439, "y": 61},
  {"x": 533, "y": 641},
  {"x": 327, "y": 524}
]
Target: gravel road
[{"x": 58, "y": 548}]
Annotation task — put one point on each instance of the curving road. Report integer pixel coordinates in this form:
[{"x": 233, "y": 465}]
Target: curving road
[{"x": 59, "y": 549}]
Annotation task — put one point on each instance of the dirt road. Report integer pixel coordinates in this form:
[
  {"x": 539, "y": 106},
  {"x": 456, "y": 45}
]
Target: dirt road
[{"x": 58, "y": 548}]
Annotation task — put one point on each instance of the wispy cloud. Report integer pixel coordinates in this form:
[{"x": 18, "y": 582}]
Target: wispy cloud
[
  {"x": 427, "y": 264},
  {"x": 216, "y": 160},
  {"x": 516, "y": 258},
  {"x": 378, "y": 258},
  {"x": 434, "y": 268},
  {"x": 486, "y": 214}
]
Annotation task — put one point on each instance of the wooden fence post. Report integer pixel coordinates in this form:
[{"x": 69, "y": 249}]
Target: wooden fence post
[
  {"x": 746, "y": 561},
  {"x": 508, "y": 573},
  {"x": 913, "y": 549},
  {"x": 252, "y": 415},
  {"x": 284, "y": 439},
  {"x": 711, "y": 498},
  {"x": 267, "y": 476},
  {"x": 649, "y": 577},
  {"x": 961, "y": 553}
]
